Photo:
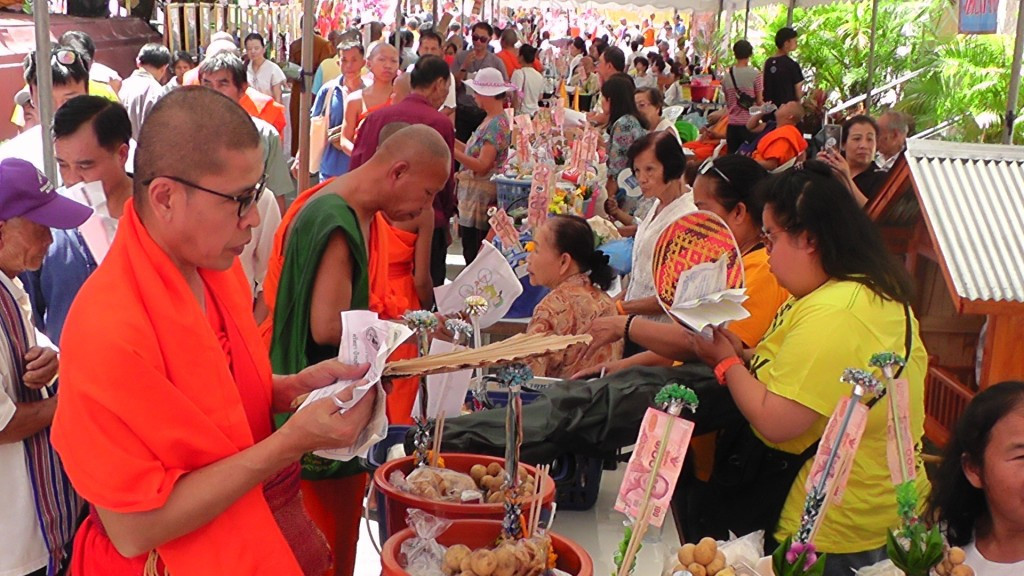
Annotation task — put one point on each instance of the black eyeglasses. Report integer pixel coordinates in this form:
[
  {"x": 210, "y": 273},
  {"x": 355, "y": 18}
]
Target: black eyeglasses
[
  {"x": 480, "y": 38},
  {"x": 245, "y": 201},
  {"x": 708, "y": 166}
]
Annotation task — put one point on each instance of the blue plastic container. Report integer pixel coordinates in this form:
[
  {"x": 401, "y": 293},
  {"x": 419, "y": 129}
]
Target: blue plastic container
[{"x": 512, "y": 193}]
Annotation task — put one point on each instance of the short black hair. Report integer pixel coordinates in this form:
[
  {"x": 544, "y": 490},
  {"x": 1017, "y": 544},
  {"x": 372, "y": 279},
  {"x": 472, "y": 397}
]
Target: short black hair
[
  {"x": 785, "y": 34},
  {"x": 183, "y": 56},
  {"x": 431, "y": 35},
  {"x": 856, "y": 120},
  {"x": 63, "y": 74},
  {"x": 528, "y": 53},
  {"x": 110, "y": 122},
  {"x": 641, "y": 60},
  {"x": 667, "y": 150},
  {"x": 346, "y": 46},
  {"x": 154, "y": 54},
  {"x": 744, "y": 174},
  {"x": 427, "y": 70},
  {"x": 580, "y": 44},
  {"x": 225, "y": 61},
  {"x": 254, "y": 36},
  {"x": 407, "y": 38},
  {"x": 483, "y": 26},
  {"x": 79, "y": 41},
  {"x": 742, "y": 50},
  {"x": 613, "y": 56}
]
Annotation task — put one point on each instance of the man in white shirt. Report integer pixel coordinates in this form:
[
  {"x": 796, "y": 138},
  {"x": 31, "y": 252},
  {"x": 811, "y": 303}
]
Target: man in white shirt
[
  {"x": 39, "y": 506},
  {"x": 529, "y": 83},
  {"x": 140, "y": 91},
  {"x": 893, "y": 127}
]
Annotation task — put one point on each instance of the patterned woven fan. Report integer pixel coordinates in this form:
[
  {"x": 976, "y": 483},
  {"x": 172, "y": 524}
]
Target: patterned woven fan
[{"x": 696, "y": 238}]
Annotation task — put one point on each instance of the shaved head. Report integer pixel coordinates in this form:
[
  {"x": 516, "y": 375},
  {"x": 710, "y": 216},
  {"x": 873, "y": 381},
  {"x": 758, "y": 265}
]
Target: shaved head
[
  {"x": 179, "y": 139},
  {"x": 790, "y": 112},
  {"x": 402, "y": 88},
  {"x": 417, "y": 144},
  {"x": 380, "y": 49}
]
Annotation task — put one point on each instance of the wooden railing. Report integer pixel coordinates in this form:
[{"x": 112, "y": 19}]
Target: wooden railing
[
  {"x": 189, "y": 26},
  {"x": 944, "y": 401}
]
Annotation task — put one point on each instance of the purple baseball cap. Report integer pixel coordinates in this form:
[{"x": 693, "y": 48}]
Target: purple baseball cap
[{"x": 25, "y": 192}]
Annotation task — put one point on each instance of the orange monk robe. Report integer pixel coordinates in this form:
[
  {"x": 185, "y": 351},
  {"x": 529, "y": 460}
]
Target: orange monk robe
[
  {"x": 704, "y": 147},
  {"x": 781, "y": 144},
  {"x": 152, "y": 397},
  {"x": 392, "y": 256},
  {"x": 261, "y": 106}
]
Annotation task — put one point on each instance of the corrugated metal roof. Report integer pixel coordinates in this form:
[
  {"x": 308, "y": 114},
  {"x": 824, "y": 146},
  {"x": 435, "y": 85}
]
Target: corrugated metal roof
[{"x": 973, "y": 197}]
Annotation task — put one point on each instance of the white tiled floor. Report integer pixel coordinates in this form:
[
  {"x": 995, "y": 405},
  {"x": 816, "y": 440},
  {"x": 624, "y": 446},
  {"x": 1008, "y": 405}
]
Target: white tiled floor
[{"x": 598, "y": 530}]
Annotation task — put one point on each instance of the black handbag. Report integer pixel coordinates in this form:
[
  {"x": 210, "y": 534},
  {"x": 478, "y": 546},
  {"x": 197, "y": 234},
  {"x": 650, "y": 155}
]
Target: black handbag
[
  {"x": 750, "y": 481},
  {"x": 743, "y": 99}
]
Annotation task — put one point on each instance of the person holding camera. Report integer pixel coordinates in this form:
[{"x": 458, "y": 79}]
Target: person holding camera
[{"x": 744, "y": 87}]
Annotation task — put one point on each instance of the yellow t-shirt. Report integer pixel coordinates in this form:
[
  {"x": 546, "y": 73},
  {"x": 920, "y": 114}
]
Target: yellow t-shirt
[
  {"x": 765, "y": 298},
  {"x": 802, "y": 356}
]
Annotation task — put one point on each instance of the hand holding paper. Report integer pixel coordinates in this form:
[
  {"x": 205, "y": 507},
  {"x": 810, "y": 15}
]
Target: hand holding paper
[{"x": 703, "y": 297}]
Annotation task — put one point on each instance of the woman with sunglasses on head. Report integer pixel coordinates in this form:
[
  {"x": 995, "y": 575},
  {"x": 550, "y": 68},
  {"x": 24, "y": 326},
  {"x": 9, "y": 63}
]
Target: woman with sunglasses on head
[
  {"x": 725, "y": 186},
  {"x": 978, "y": 487},
  {"x": 564, "y": 260},
  {"x": 856, "y": 165},
  {"x": 850, "y": 300}
]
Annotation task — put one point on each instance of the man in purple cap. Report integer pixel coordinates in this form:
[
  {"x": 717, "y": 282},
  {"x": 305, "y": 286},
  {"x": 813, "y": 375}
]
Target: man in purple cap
[{"x": 40, "y": 507}]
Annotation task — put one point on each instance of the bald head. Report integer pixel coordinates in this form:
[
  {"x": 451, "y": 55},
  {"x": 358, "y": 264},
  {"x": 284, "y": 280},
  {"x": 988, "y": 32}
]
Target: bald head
[
  {"x": 177, "y": 141},
  {"x": 382, "y": 49},
  {"x": 417, "y": 144},
  {"x": 790, "y": 113},
  {"x": 402, "y": 88}
]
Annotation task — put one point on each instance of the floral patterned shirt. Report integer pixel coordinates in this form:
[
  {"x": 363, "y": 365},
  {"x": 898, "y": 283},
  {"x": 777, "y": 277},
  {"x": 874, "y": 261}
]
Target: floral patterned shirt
[
  {"x": 496, "y": 132},
  {"x": 570, "y": 309},
  {"x": 624, "y": 132}
]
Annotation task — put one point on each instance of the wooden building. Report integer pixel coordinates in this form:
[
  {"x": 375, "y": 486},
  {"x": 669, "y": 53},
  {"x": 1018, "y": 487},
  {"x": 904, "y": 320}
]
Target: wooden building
[{"x": 956, "y": 212}]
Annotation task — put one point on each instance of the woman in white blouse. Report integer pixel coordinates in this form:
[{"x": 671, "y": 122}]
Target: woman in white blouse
[
  {"x": 658, "y": 163},
  {"x": 650, "y": 103},
  {"x": 263, "y": 75}
]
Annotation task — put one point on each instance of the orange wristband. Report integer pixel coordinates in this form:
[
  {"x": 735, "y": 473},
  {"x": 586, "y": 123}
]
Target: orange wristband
[
  {"x": 724, "y": 366},
  {"x": 619, "y": 308}
]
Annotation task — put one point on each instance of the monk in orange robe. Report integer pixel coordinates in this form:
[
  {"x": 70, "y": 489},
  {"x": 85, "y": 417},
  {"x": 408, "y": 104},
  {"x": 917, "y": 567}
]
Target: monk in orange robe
[
  {"x": 330, "y": 255},
  {"x": 785, "y": 142},
  {"x": 164, "y": 420}
]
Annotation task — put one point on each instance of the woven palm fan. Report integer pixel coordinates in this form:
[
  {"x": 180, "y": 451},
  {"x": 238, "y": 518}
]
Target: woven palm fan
[
  {"x": 696, "y": 238},
  {"x": 515, "y": 349}
]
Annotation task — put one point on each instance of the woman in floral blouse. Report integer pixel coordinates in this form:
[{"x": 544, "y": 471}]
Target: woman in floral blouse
[
  {"x": 564, "y": 260},
  {"x": 624, "y": 125}
]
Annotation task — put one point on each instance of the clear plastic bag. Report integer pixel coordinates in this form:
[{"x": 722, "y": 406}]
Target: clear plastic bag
[
  {"x": 423, "y": 555},
  {"x": 438, "y": 484}
]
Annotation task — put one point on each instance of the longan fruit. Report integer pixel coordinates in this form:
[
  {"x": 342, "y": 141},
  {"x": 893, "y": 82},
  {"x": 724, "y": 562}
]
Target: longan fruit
[
  {"x": 494, "y": 469},
  {"x": 956, "y": 555},
  {"x": 496, "y": 497},
  {"x": 717, "y": 564},
  {"x": 483, "y": 562},
  {"x": 477, "y": 472},
  {"x": 962, "y": 570},
  {"x": 697, "y": 569},
  {"x": 705, "y": 551},
  {"x": 727, "y": 571},
  {"x": 685, "y": 554}
]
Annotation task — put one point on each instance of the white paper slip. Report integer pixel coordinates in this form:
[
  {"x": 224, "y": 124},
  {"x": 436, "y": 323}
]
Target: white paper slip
[
  {"x": 703, "y": 298},
  {"x": 444, "y": 391},
  {"x": 490, "y": 276},
  {"x": 365, "y": 338}
]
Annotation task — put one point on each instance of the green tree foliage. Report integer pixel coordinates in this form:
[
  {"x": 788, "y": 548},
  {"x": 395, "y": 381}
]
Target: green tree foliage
[{"x": 964, "y": 77}]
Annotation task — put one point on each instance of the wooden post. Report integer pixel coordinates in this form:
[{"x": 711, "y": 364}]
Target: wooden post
[{"x": 1001, "y": 357}]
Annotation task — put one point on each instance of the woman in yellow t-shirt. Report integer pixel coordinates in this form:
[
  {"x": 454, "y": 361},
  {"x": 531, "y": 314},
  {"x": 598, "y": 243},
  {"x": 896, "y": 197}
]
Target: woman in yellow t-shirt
[
  {"x": 850, "y": 300},
  {"x": 726, "y": 187}
]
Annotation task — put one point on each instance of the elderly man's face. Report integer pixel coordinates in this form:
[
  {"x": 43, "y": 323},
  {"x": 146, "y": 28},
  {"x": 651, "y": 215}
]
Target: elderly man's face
[
  {"x": 23, "y": 245},
  {"x": 890, "y": 142}
]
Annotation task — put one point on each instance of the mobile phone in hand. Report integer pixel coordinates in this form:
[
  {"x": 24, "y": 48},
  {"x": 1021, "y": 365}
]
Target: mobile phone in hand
[{"x": 833, "y": 136}]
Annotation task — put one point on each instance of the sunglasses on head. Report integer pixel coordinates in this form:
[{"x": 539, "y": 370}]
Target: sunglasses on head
[
  {"x": 63, "y": 56},
  {"x": 708, "y": 166}
]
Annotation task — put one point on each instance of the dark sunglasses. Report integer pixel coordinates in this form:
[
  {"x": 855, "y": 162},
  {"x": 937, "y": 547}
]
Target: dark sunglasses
[
  {"x": 480, "y": 39},
  {"x": 708, "y": 166},
  {"x": 245, "y": 201}
]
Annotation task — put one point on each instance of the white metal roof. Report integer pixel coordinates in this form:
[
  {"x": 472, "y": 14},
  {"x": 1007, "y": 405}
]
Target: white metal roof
[{"x": 972, "y": 196}]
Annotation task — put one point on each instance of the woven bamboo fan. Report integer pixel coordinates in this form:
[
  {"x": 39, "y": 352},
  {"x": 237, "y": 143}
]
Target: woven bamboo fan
[{"x": 515, "y": 349}]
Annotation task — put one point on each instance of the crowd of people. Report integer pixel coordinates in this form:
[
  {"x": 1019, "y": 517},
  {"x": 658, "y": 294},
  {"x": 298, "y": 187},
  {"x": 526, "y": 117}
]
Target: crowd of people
[{"x": 195, "y": 293}]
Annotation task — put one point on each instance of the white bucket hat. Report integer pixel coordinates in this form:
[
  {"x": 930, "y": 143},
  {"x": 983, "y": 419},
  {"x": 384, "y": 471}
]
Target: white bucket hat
[{"x": 489, "y": 82}]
